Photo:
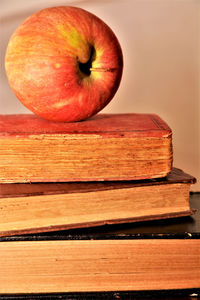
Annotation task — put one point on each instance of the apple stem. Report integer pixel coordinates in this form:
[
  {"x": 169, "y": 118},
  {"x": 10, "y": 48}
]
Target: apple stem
[{"x": 102, "y": 69}]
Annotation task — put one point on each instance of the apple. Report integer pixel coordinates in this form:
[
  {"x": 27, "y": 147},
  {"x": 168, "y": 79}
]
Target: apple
[{"x": 64, "y": 63}]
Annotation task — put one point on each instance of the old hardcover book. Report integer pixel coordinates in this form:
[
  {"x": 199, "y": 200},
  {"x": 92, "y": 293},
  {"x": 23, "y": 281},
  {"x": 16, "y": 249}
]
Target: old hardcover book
[
  {"x": 155, "y": 256},
  {"x": 38, "y": 207},
  {"x": 105, "y": 147}
]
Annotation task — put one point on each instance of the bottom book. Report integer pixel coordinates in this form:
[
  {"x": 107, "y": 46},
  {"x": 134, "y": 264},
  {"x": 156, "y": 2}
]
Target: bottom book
[
  {"x": 156, "y": 255},
  {"x": 42, "y": 207}
]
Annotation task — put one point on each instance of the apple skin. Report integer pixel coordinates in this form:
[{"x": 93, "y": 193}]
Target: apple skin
[{"x": 64, "y": 64}]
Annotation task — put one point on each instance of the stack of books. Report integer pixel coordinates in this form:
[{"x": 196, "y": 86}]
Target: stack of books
[{"x": 110, "y": 169}]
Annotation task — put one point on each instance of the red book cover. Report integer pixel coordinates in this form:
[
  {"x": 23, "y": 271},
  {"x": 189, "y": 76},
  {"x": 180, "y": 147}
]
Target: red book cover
[{"x": 104, "y": 147}]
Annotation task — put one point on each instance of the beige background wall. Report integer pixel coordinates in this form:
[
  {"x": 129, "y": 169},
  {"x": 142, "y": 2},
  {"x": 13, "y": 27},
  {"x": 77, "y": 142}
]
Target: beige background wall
[{"x": 159, "y": 39}]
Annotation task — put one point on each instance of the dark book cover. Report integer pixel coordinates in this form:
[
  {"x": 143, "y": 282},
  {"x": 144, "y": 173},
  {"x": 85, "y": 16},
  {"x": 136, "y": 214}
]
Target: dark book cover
[{"x": 44, "y": 207}]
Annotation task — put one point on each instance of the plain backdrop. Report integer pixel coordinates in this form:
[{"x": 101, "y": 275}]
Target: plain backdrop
[{"x": 159, "y": 39}]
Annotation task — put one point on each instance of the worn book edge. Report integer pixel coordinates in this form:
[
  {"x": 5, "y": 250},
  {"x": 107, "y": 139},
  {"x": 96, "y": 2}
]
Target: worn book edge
[
  {"x": 98, "y": 223},
  {"x": 10, "y": 190}
]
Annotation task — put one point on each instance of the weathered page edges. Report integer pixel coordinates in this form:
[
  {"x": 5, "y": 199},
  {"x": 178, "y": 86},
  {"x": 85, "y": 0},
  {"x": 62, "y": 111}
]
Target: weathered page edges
[{"x": 26, "y": 189}]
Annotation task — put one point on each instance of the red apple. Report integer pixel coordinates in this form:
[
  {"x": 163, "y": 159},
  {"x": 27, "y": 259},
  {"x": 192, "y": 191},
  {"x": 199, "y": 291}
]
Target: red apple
[{"x": 64, "y": 63}]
